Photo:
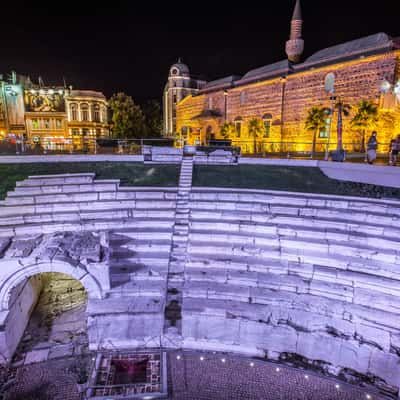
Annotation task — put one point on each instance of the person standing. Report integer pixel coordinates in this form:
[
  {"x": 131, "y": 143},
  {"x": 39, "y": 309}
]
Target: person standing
[
  {"x": 372, "y": 146},
  {"x": 394, "y": 150}
]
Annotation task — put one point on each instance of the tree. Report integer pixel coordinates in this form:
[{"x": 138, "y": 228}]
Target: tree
[
  {"x": 227, "y": 130},
  {"x": 365, "y": 119},
  {"x": 153, "y": 118},
  {"x": 315, "y": 121},
  {"x": 256, "y": 129},
  {"x": 343, "y": 109},
  {"x": 127, "y": 117}
]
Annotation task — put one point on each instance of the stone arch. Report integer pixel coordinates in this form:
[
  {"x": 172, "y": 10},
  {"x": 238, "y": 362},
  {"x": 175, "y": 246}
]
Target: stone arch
[{"x": 14, "y": 278}]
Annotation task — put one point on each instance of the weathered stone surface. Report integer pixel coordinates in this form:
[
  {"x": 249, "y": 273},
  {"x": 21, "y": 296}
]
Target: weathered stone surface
[{"x": 272, "y": 273}]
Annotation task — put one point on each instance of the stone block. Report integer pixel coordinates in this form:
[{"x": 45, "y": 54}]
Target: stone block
[
  {"x": 354, "y": 356},
  {"x": 315, "y": 346},
  {"x": 36, "y": 356},
  {"x": 386, "y": 366}
]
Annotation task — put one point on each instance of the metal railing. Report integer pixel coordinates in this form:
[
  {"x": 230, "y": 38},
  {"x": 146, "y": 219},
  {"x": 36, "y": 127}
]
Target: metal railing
[
  {"x": 81, "y": 146},
  {"x": 268, "y": 149}
]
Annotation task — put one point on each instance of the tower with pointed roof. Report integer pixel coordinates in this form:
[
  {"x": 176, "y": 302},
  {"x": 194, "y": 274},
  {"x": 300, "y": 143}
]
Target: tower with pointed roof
[{"x": 295, "y": 44}]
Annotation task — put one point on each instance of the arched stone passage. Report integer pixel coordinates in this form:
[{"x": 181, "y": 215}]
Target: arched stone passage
[
  {"x": 20, "y": 292},
  {"x": 56, "y": 319},
  {"x": 20, "y": 273}
]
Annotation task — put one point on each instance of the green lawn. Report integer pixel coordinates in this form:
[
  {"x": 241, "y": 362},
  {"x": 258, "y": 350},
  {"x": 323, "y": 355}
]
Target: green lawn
[
  {"x": 131, "y": 174},
  {"x": 296, "y": 179}
]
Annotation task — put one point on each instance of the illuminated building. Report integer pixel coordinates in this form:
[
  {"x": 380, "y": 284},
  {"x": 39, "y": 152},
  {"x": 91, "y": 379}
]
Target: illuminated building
[
  {"x": 282, "y": 93},
  {"x": 87, "y": 117},
  {"x": 53, "y": 117},
  {"x": 180, "y": 84}
]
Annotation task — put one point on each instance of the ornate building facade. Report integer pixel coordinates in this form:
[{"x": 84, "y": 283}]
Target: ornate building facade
[
  {"x": 281, "y": 95},
  {"x": 180, "y": 84},
  {"x": 54, "y": 117}
]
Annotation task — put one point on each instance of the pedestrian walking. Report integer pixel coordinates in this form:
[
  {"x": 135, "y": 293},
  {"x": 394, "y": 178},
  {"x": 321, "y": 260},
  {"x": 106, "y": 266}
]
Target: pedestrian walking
[{"x": 372, "y": 146}]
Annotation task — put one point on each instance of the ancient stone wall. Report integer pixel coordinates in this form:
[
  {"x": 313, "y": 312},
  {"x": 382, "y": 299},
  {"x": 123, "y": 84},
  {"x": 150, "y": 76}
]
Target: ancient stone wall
[
  {"x": 277, "y": 274},
  {"x": 22, "y": 301}
]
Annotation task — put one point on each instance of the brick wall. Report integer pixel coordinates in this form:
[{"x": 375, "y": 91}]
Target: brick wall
[{"x": 355, "y": 80}]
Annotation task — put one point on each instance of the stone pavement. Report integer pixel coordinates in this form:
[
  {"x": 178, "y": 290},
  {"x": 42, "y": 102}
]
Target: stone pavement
[
  {"x": 49, "y": 380},
  {"x": 200, "y": 376},
  {"x": 208, "y": 376}
]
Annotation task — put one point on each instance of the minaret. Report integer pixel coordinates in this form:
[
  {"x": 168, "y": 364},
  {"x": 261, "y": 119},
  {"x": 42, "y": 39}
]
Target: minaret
[{"x": 295, "y": 45}]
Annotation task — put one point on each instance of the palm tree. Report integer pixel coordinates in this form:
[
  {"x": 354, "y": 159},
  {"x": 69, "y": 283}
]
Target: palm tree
[
  {"x": 256, "y": 129},
  {"x": 227, "y": 130},
  {"x": 343, "y": 109},
  {"x": 315, "y": 121},
  {"x": 365, "y": 119}
]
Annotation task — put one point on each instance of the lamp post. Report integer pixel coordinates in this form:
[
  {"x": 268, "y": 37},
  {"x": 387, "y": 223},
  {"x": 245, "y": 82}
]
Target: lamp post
[
  {"x": 330, "y": 88},
  {"x": 225, "y": 105},
  {"x": 339, "y": 126},
  {"x": 332, "y": 110}
]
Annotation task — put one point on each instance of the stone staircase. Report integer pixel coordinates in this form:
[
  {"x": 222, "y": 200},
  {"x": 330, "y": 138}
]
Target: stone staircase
[{"x": 177, "y": 259}]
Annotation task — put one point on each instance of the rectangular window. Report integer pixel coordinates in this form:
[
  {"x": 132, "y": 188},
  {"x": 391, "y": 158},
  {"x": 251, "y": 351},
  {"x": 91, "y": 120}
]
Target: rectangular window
[
  {"x": 267, "y": 125},
  {"x": 75, "y": 132},
  {"x": 242, "y": 98},
  {"x": 58, "y": 123},
  {"x": 35, "y": 124},
  {"x": 238, "y": 127},
  {"x": 85, "y": 114},
  {"x": 210, "y": 103},
  {"x": 46, "y": 124},
  {"x": 323, "y": 133}
]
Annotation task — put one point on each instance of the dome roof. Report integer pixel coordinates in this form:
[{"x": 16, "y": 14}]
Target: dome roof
[{"x": 182, "y": 68}]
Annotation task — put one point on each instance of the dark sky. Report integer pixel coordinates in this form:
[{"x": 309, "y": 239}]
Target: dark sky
[{"x": 120, "y": 46}]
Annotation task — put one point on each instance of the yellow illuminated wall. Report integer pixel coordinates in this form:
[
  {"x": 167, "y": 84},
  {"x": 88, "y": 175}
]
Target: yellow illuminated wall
[{"x": 287, "y": 101}]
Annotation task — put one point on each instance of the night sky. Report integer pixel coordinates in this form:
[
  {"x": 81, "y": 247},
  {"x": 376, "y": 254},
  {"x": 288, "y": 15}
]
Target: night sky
[{"x": 121, "y": 47}]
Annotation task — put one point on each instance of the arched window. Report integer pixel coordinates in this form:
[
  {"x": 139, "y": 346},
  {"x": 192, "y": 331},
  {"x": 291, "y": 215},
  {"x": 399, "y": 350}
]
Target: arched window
[
  {"x": 84, "y": 112},
  {"x": 238, "y": 126},
  {"x": 74, "y": 112},
  {"x": 267, "y": 118},
  {"x": 96, "y": 113}
]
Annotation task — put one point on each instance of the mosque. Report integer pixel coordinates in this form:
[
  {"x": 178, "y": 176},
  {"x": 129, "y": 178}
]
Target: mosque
[{"x": 280, "y": 95}]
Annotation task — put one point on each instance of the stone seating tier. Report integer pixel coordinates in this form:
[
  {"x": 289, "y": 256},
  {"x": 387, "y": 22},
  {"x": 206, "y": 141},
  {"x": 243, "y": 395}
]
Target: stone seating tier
[
  {"x": 337, "y": 344},
  {"x": 263, "y": 220},
  {"x": 260, "y": 272}
]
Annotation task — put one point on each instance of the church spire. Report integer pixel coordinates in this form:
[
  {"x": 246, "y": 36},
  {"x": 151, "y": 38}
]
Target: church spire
[
  {"x": 295, "y": 45},
  {"x": 297, "y": 12}
]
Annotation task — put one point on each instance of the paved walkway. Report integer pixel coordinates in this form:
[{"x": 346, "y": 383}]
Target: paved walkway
[{"x": 199, "y": 376}]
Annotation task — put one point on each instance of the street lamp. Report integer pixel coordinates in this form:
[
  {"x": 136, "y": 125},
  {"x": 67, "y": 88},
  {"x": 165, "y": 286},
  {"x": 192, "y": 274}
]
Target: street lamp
[
  {"x": 330, "y": 88},
  {"x": 225, "y": 104},
  {"x": 394, "y": 90}
]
